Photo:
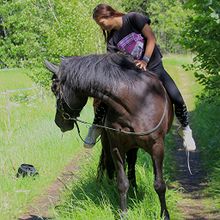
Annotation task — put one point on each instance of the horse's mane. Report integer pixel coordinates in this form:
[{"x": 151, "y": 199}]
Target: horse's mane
[{"x": 99, "y": 71}]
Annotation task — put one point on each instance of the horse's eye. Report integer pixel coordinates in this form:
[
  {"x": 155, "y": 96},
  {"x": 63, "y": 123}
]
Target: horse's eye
[{"x": 54, "y": 88}]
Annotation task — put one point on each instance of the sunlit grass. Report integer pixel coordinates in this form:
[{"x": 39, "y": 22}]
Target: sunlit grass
[
  {"x": 28, "y": 134},
  {"x": 206, "y": 127},
  {"x": 14, "y": 79},
  {"x": 185, "y": 80},
  {"x": 91, "y": 200},
  {"x": 204, "y": 120}
]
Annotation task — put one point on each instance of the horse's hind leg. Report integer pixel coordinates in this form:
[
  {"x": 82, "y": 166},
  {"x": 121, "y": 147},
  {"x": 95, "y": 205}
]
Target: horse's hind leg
[
  {"x": 159, "y": 184},
  {"x": 122, "y": 180},
  {"x": 131, "y": 160}
]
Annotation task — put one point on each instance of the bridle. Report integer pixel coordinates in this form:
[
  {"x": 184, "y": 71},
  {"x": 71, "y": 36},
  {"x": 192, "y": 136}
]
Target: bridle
[
  {"x": 60, "y": 98},
  {"x": 61, "y": 109},
  {"x": 67, "y": 116}
]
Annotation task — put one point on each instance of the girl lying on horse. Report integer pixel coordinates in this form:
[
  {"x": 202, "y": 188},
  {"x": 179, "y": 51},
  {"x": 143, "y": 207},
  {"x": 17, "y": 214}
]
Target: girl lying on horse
[{"x": 131, "y": 33}]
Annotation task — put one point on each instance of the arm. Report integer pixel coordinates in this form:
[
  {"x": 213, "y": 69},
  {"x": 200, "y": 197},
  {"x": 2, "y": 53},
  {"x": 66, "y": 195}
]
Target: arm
[{"x": 151, "y": 41}]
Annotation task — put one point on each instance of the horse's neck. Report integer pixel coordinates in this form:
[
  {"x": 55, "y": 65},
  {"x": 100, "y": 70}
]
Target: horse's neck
[
  {"x": 112, "y": 99},
  {"x": 118, "y": 100}
]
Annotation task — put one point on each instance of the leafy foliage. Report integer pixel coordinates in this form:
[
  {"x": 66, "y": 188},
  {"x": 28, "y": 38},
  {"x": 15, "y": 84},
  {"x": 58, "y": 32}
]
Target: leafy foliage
[
  {"x": 47, "y": 29},
  {"x": 34, "y": 30},
  {"x": 167, "y": 18},
  {"x": 193, "y": 24},
  {"x": 201, "y": 35}
]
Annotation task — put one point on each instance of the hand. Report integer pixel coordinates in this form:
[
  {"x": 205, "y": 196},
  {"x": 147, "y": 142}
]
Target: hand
[{"x": 141, "y": 64}]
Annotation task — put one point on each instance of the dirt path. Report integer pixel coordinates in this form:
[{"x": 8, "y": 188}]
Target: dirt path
[
  {"x": 38, "y": 210},
  {"x": 195, "y": 205}
]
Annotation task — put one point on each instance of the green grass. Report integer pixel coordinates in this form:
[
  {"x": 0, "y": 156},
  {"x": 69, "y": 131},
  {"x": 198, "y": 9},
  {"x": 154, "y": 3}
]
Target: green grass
[
  {"x": 204, "y": 120},
  {"x": 206, "y": 127},
  {"x": 14, "y": 79},
  {"x": 185, "y": 80},
  {"x": 91, "y": 200},
  {"x": 28, "y": 134}
]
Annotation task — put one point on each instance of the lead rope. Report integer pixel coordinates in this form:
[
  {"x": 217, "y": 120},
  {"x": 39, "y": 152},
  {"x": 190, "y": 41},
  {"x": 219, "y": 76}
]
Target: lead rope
[
  {"x": 188, "y": 162},
  {"x": 78, "y": 130},
  {"x": 67, "y": 117}
]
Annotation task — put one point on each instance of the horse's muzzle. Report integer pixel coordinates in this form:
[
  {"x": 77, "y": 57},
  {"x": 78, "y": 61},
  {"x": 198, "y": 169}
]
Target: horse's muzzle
[{"x": 63, "y": 124}]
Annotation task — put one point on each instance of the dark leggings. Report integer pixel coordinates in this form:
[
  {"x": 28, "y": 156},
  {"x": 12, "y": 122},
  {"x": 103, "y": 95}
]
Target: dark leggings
[{"x": 173, "y": 92}]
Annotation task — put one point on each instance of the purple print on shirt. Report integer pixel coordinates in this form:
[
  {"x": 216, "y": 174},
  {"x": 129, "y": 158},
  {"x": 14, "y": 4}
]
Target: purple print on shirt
[{"x": 132, "y": 44}]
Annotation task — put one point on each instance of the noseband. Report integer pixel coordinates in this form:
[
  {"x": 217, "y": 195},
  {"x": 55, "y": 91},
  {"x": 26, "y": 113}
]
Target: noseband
[
  {"x": 57, "y": 90},
  {"x": 65, "y": 115}
]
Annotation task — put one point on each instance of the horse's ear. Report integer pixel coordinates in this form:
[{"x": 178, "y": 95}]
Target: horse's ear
[{"x": 52, "y": 67}]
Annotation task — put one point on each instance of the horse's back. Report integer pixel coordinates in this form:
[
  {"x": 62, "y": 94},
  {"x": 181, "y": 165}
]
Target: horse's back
[{"x": 150, "y": 110}]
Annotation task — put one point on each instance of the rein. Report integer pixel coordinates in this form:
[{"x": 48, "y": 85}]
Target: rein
[{"x": 68, "y": 117}]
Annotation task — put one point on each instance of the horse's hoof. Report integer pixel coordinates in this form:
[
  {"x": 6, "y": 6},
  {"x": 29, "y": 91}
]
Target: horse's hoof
[
  {"x": 167, "y": 216},
  {"x": 123, "y": 215}
]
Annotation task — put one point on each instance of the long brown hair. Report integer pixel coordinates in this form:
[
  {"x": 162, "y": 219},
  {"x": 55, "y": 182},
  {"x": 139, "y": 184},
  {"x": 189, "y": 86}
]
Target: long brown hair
[{"x": 105, "y": 11}]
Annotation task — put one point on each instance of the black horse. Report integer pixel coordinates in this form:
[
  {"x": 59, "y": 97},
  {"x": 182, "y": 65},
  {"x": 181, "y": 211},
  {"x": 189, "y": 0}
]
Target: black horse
[{"x": 139, "y": 110}]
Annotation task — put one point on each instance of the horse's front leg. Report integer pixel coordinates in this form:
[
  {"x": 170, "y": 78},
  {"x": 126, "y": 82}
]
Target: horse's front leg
[
  {"x": 122, "y": 180},
  {"x": 159, "y": 184}
]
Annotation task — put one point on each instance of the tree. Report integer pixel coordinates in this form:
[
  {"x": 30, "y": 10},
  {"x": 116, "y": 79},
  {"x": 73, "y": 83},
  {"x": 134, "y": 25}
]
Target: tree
[
  {"x": 202, "y": 36},
  {"x": 47, "y": 29},
  {"x": 167, "y": 18}
]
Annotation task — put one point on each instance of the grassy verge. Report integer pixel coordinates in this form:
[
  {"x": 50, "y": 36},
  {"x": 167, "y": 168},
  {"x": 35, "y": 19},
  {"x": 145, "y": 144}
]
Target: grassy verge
[
  {"x": 28, "y": 134},
  {"x": 206, "y": 120},
  {"x": 185, "y": 80},
  {"x": 90, "y": 200}
]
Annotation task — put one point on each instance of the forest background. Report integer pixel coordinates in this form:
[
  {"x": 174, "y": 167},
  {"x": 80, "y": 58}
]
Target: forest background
[{"x": 34, "y": 30}]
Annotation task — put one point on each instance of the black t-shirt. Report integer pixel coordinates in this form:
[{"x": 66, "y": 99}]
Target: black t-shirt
[{"x": 132, "y": 25}]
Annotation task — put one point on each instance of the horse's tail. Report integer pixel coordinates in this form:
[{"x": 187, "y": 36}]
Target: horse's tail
[
  {"x": 101, "y": 166},
  {"x": 106, "y": 160}
]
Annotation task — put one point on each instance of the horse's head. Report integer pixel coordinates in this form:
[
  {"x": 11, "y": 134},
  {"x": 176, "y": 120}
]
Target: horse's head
[{"x": 69, "y": 102}]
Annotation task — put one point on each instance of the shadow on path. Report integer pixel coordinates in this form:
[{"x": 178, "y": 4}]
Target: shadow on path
[{"x": 193, "y": 205}]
